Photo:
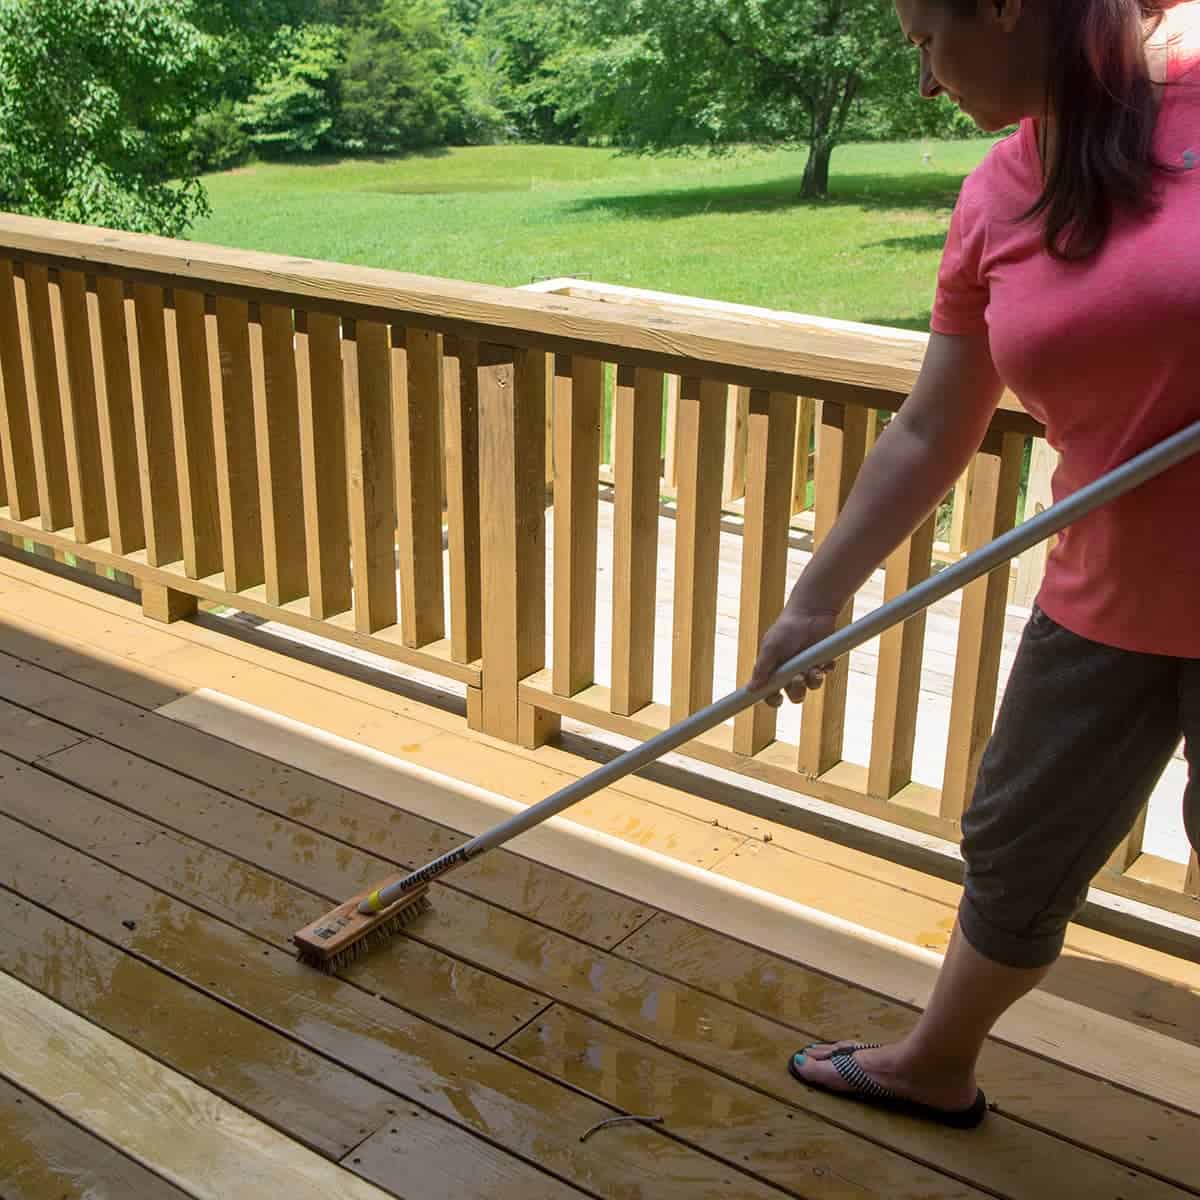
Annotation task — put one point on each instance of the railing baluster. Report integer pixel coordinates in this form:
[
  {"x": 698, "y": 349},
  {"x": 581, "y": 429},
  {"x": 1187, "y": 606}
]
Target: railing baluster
[
  {"x": 419, "y": 378},
  {"x": 511, "y": 391},
  {"x": 323, "y": 455},
  {"x": 367, "y": 361},
  {"x": 38, "y": 330},
  {"x": 188, "y": 362},
  {"x": 981, "y": 622},
  {"x": 461, "y": 416},
  {"x": 153, "y": 425},
  {"x": 81, "y": 428},
  {"x": 1130, "y": 849},
  {"x": 578, "y": 394},
  {"x": 800, "y": 462},
  {"x": 281, "y": 487},
  {"x": 15, "y": 369},
  {"x": 736, "y": 417},
  {"x": 844, "y": 435},
  {"x": 771, "y": 443},
  {"x": 637, "y": 427},
  {"x": 114, "y": 316},
  {"x": 898, "y": 676},
  {"x": 1031, "y": 566},
  {"x": 961, "y": 506},
  {"x": 700, "y": 455},
  {"x": 671, "y": 422},
  {"x": 236, "y": 453}
]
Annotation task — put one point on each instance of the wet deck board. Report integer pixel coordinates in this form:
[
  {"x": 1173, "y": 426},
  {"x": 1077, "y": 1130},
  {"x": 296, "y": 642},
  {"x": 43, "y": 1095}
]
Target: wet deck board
[
  {"x": 207, "y": 1147},
  {"x": 479, "y": 1090},
  {"x": 45, "y": 1157},
  {"x": 1135, "y": 1129},
  {"x": 594, "y": 986}
]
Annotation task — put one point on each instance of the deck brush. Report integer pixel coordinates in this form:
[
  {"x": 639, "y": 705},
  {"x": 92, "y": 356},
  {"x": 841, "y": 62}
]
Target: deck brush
[{"x": 371, "y": 918}]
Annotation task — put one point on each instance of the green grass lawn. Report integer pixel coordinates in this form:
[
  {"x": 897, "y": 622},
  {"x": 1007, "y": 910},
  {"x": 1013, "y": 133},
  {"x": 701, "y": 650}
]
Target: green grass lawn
[{"x": 728, "y": 228}]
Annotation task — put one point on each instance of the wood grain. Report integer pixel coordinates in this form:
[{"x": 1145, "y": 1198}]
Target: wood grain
[
  {"x": 898, "y": 680},
  {"x": 981, "y": 625},
  {"x": 461, "y": 414},
  {"x": 578, "y": 398},
  {"x": 236, "y": 451},
  {"x": 114, "y": 315},
  {"x": 48, "y": 360},
  {"x": 845, "y": 430},
  {"x": 280, "y": 478},
  {"x": 771, "y": 434},
  {"x": 44, "y": 1157},
  {"x": 699, "y": 456},
  {"x": 189, "y": 364},
  {"x": 80, "y": 339},
  {"x": 366, "y": 357},
  {"x": 15, "y": 368},
  {"x": 153, "y": 427},
  {"x": 206, "y": 1146},
  {"x": 637, "y": 435},
  {"x": 419, "y": 393},
  {"x": 323, "y": 458}
]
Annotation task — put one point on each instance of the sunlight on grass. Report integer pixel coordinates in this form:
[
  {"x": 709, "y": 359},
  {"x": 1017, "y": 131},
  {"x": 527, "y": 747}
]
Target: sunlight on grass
[{"x": 727, "y": 227}]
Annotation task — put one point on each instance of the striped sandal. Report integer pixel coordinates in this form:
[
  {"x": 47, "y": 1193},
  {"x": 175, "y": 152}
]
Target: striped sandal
[{"x": 869, "y": 1091}]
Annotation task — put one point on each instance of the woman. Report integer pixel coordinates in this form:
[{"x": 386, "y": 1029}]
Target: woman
[{"x": 1071, "y": 274}]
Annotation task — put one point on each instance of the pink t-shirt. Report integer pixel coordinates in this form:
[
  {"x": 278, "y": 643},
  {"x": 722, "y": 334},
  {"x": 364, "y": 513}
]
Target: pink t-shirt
[{"x": 1107, "y": 355}]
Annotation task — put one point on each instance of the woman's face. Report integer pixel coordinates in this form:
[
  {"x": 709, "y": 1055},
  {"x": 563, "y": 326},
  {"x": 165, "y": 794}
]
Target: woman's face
[{"x": 994, "y": 65}]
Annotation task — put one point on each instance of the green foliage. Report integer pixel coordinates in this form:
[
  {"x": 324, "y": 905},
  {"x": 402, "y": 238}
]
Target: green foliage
[
  {"x": 528, "y": 49},
  {"x": 401, "y": 82},
  {"x": 218, "y": 140},
  {"x": 295, "y": 107},
  {"x": 667, "y": 75},
  {"x": 96, "y": 100}
]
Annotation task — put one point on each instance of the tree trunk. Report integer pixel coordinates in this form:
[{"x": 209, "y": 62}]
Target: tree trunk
[{"x": 816, "y": 171}]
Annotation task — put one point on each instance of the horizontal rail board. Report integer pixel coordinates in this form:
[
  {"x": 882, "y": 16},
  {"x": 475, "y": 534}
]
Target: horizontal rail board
[
  {"x": 815, "y": 361},
  {"x": 386, "y": 643}
]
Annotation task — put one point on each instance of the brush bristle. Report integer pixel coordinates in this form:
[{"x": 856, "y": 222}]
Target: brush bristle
[{"x": 358, "y": 936}]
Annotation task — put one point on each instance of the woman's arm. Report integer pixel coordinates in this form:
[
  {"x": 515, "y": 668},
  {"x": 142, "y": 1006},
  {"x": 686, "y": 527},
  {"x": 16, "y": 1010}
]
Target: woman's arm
[{"x": 915, "y": 462}]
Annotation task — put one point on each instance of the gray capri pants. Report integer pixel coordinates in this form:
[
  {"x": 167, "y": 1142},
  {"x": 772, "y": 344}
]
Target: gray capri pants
[{"x": 1083, "y": 734}]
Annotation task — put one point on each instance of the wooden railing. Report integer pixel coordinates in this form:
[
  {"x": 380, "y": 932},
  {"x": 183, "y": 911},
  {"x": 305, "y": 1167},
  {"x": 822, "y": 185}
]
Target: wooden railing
[{"x": 298, "y": 440}]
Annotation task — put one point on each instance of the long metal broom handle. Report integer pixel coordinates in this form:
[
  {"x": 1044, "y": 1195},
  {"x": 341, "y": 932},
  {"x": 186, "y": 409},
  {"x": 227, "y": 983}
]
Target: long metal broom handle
[{"x": 1116, "y": 483}]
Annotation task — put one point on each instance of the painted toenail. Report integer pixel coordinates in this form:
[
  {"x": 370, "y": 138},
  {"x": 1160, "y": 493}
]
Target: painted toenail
[{"x": 798, "y": 1058}]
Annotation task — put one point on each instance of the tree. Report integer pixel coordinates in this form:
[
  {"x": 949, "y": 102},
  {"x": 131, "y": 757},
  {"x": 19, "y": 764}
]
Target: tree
[
  {"x": 528, "y": 48},
  {"x": 295, "y": 107},
  {"x": 672, "y": 74},
  {"x": 96, "y": 100},
  {"x": 401, "y": 83}
]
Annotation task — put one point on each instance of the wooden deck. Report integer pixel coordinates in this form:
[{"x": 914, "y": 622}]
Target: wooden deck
[{"x": 157, "y": 1038}]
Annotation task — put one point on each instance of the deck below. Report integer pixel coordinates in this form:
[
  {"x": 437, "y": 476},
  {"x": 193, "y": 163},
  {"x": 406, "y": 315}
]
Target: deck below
[{"x": 159, "y": 1039}]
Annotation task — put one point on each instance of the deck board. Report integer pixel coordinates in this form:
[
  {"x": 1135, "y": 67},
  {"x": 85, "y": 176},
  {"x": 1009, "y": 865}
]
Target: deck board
[
  {"x": 43, "y": 1156},
  {"x": 495, "y": 940},
  {"x": 528, "y": 1006},
  {"x": 488, "y": 1093}
]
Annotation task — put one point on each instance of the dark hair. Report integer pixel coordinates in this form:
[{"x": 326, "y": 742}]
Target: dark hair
[{"x": 1102, "y": 98}]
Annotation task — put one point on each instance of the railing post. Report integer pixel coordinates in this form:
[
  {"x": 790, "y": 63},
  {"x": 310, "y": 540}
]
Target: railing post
[
  {"x": 512, "y": 472},
  {"x": 981, "y": 621}
]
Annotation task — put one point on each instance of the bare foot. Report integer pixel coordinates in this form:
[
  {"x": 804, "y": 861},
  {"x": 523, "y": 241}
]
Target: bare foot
[{"x": 888, "y": 1066}]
